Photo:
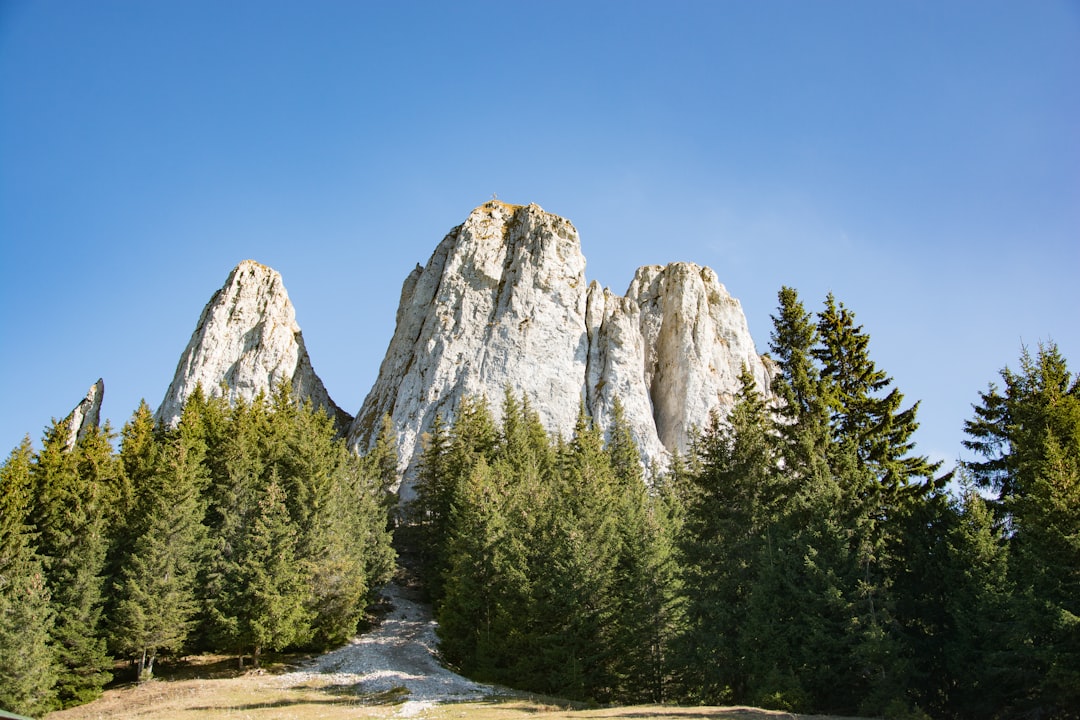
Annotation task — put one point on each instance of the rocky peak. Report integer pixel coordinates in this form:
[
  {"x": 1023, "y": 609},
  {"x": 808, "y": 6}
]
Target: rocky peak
[
  {"x": 503, "y": 302},
  {"x": 246, "y": 341},
  {"x": 500, "y": 303},
  {"x": 86, "y": 414}
]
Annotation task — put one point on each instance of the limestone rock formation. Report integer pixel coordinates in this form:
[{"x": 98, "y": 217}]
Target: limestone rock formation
[
  {"x": 503, "y": 302},
  {"x": 86, "y": 414},
  {"x": 247, "y": 340},
  {"x": 500, "y": 303}
]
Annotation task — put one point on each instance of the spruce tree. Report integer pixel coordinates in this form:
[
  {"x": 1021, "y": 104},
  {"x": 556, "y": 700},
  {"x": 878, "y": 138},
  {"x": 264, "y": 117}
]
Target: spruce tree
[
  {"x": 270, "y": 592},
  {"x": 154, "y": 591},
  {"x": 1029, "y": 439},
  {"x": 576, "y": 576},
  {"x": 484, "y": 615},
  {"x": 429, "y": 512},
  {"x": 382, "y": 465},
  {"x": 237, "y": 484},
  {"x": 645, "y": 583},
  {"x": 729, "y": 511},
  {"x": 68, "y": 515},
  {"x": 28, "y": 669},
  {"x": 975, "y": 676}
]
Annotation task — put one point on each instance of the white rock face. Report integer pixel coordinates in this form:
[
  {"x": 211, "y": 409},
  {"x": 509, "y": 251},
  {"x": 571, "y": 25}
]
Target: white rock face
[
  {"x": 696, "y": 345},
  {"x": 247, "y": 341},
  {"x": 500, "y": 303},
  {"x": 503, "y": 302},
  {"x": 86, "y": 414}
]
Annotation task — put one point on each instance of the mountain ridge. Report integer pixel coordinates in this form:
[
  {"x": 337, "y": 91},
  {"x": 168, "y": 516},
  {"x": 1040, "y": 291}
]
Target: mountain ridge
[{"x": 502, "y": 302}]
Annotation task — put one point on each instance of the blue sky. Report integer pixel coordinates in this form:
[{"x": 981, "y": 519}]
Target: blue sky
[{"x": 921, "y": 160}]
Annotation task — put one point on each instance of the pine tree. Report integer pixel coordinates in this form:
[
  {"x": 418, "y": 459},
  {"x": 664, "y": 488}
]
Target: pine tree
[
  {"x": 484, "y": 615},
  {"x": 270, "y": 589},
  {"x": 382, "y": 463},
  {"x": 729, "y": 510},
  {"x": 154, "y": 596},
  {"x": 644, "y": 587},
  {"x": 1029, "y": 438},
  {"x": 67, "y": 512},
  {"x": 28, "y": 669}
]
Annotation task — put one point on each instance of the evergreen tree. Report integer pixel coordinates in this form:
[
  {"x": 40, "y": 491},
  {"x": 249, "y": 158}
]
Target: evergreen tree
[
  {"x": 484, "y": 616},
  {"x": 269, "y": 591},
  {"x": 728, "y": 511},
  {"x": 348, "y": 548},
  {"x": 382, "y": 462},
  {"x": 893, "y": 504},
  {"x": 1029, "y": 439},
  {"x": 645, "y": 583},
  {"x": 430, "y": 510},
  {"x": 574, "y": 591},
  {"x": 976, "y": 676},
  {"x": 67, "y": 512},
  {"x": 28, "y": 669},
  {"x": 234, "y": 494},
  {"x": 154, "y": 596}
]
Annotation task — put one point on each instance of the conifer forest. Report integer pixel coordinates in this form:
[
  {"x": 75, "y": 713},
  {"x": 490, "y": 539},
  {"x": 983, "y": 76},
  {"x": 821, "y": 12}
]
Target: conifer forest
[{"x": 802, "y": 555}]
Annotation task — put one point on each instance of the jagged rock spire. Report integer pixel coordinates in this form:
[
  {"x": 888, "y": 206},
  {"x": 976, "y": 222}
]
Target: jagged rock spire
[
  {"x": 503, "y": 302},
  {"x": 86, "y": 414},
  {"x": 247, "y": 341}
]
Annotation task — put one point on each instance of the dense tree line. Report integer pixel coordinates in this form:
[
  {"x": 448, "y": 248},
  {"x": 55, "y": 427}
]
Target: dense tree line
[
  {"x": 243, "y": 529},
  {"x": 551, "y": 566},
  {"x": 803, "y": 556}
]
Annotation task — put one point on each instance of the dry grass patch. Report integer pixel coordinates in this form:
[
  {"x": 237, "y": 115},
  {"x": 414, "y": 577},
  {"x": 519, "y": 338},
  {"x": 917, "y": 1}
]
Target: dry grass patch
[
  {"x": 523, "y": 709},
  {"x": 213, "y": 686}
]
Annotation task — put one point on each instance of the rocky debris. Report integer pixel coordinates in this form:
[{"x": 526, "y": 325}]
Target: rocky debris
[
  {"x": 247, "y": 341},
  {"x": 503, "y": 303},
  {"x": 86, "y": 414},
  {"x": 399, "y": 653}
]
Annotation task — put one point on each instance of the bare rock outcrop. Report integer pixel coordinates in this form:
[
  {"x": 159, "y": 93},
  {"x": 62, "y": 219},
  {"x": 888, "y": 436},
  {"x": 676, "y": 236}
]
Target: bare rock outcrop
[
  {"x": 503, "y": 302},
  {"x": 85, "y": 415},
  {"x": 247, "y": 341}
]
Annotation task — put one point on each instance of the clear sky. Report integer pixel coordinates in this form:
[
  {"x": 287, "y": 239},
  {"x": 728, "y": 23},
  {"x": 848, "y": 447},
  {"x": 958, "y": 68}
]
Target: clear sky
[{"x": 919, "y": 159}]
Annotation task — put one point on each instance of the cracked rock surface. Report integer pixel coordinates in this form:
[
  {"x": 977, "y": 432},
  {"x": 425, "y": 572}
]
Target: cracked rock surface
[{"x": 503, "y": 303}]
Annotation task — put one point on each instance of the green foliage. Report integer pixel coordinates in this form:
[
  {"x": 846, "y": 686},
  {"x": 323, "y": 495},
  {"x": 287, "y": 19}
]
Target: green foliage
[
  {"x": 243, "y": 528},
  {"x": 297, "y": 528},
  {"x": 69, "y": 514},
  {"x": 1029, "y": 439},
  {"x": 800, "y": 556},
  {"x": 153, "y": 597},
  {"x": 28, "y": 669},
  {"x": 558, "y": 571}
]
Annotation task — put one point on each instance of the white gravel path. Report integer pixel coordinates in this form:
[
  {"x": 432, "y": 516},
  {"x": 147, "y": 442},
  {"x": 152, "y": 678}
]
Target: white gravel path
[{"x": 400, "y": 652}]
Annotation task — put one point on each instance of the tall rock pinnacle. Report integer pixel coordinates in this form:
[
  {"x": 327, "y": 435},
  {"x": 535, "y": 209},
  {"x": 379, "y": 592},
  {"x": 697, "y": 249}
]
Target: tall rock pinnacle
[
  {"x": 247, "y": 341},
  {"x": 86, "y": 414},
  {"x": 503, "y": 302}
]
